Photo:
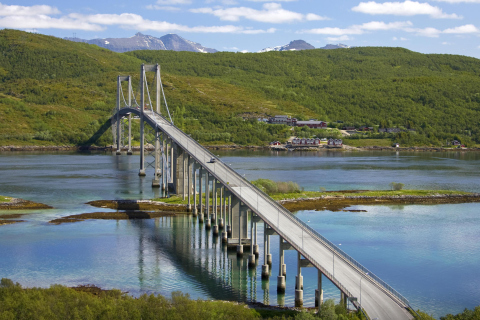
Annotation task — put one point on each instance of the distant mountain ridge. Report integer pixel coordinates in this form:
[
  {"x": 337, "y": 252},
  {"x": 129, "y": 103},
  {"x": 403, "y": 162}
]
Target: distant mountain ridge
[
  {"x": 302, "y": 45},
  {"x": 145, "y": 42}
]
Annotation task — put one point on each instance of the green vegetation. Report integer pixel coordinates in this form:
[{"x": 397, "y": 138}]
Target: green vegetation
[
  {"x": 56, "y": 92},
  {"x": 467, "y": 314},
  {"x": 368, "y": 193},
  {"x": 368, "y": 142},
  {"x": 59, "y": 302},
  {"x": 271, "y": 187},
  {"x": 5, "y": 199},
  {"x": 396, "y": 186}
]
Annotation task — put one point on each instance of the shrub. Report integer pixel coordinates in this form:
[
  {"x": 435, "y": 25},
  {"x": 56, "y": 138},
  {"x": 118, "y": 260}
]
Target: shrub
[{"x": 397, "y": 186}]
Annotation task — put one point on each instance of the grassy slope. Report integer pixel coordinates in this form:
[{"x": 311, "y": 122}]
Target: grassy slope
[
  {"x": 5, "y": 199},
  {"x": 60, "y": 92}
]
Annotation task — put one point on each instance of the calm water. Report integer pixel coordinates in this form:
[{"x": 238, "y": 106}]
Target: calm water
[{"x": 430, "y": 254}]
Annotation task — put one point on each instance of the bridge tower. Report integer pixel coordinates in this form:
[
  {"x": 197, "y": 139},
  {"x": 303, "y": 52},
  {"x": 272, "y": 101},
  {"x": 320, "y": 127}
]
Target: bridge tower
[{"x": 117, "y": 124}]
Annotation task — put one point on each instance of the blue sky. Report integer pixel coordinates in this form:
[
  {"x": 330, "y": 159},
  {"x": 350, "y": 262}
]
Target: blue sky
[{"x": 433, "y": 26}]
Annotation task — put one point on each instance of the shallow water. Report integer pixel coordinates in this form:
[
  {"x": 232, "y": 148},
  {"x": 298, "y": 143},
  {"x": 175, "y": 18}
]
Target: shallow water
[{"x": 430, "y": 254}]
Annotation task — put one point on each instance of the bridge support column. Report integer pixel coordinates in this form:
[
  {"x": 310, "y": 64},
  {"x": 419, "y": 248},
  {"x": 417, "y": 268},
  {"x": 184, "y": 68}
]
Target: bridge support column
[
  {"x": 172, "y": 160},
  {"x": 158, "y": 173},
  {"x": 225, "y": 230},
  {"x": 214, "y": 201},
  {"x": 194, "y": 176},
  {"x": 185, "y": 174},
  {"x": 200, "y": 194},
  {"x": 220, "y": 220},
  {"x": 281, "y": 275},
  {"x": 129, "y": 150},
  {"x": 319, "y": 291},
  {"x": 266, "y": 266},
  {"x": 229, "y": 225},
  {"x": 256, "y": 251},
  {"x": 190, "y": 168},
  {"x": 179, "y": 170},
  {"x": 208, "y": 222},
  {"x": 343, "y": 299},
  {"x": 251, "y": 257},
  {"x": 299, "y": 283}
]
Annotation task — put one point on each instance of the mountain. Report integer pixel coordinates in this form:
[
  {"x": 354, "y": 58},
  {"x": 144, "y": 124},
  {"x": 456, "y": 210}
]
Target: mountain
[
  {"x": 302, "y": 45},
  {"x": 145, "y": 42},
  {"x": 336, "y": 46},
  {"x": 176, "y": 43},
  {"x": 295, "y": 45}
]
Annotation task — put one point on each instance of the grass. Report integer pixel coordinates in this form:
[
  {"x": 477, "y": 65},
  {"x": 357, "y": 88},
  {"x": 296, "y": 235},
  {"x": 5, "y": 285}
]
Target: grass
[
  {"x": 316, "y": 194},
  {"x": 367, "y": 193},
  {"x": 368, "y": 142},
  {"x": 5, "y": 199}
]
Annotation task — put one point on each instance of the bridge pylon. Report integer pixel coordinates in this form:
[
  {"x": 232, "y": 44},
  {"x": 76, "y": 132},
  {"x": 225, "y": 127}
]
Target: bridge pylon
[{"x": 117, "y": 123}]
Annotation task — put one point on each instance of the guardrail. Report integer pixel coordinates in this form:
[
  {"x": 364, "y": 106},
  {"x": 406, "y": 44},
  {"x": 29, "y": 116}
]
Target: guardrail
[{"x": 242, "y": 182}]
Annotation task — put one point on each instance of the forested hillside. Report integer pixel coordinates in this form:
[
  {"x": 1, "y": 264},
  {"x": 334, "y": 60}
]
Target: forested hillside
[{"x": 58, "y": 92}]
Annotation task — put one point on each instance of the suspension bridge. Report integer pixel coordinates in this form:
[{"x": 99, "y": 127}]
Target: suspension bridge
[{"x": 224, "y": 201}]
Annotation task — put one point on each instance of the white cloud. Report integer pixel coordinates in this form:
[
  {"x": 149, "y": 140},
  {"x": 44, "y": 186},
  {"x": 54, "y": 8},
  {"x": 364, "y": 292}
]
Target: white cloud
[
  {"x": 360, "y": 29},
  {"x": 468, "y": 28},
  {"x": 271, "y": 13},
  {"x": 271, "y": 0},
  {"x": 6, "y": 10},
  {"x": 401, "y": 39},
  {"x": 446, "y": 43},
  {"x": 46, "y": 22},
  {"x": 460, "y": 1},
  {"x": 164, "y": 8},
  {"x": 407, "y": 8},
  {"x": 425, "y": 32},
  {"x": 137, "y": 22},
  {"x": 380, "y": 25}
]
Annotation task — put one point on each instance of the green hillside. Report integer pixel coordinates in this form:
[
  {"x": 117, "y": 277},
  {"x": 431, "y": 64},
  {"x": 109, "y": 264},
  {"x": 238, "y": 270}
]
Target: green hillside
[{"x": 56, "y": 92}]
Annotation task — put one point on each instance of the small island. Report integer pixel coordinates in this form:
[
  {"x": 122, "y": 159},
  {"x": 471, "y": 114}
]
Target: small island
[{"x": 9, "y": 203}]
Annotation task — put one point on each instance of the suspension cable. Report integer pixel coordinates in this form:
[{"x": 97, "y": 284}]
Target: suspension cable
[
  {"x": 165, "y": 99},
  {"x": 123, "y": 95}
]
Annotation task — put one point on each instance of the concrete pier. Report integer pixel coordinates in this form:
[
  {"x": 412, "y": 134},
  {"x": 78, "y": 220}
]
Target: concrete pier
[
  {"x": 319, "y": 291},
  {"x": 299, "y": 282},
  {"x": 265, "y": 271},
  {"x": 281, "y": 284}
]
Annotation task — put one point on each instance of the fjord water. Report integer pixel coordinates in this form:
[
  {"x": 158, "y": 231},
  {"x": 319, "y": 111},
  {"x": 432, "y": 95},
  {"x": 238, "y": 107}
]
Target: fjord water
[{"x": 429, "y": 253}]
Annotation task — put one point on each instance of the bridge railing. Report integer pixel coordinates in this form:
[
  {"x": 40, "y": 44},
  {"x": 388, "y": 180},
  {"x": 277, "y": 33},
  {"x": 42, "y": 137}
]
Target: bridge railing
[{"x": 234, "y": 179}]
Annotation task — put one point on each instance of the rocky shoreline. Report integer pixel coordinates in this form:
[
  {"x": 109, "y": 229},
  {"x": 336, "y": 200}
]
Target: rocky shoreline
[
  {"x": 20, "y": 204},
  {"x": 337, "y": 203},
  {"x": 127, "y": 215},
  {"x": 237, "y": 147}
]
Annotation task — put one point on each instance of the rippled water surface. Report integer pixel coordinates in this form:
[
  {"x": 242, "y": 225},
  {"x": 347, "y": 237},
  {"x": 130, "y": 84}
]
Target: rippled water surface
[{"x": 430, "y": 254}]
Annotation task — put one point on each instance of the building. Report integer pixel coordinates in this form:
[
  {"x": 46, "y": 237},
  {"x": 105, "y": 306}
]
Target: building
[
  {"x": 281, "y": 119},
  {"x": 304, "y": 142},
  {"x": 335, "y": 143},
  {"x": 312, "y": 124}
]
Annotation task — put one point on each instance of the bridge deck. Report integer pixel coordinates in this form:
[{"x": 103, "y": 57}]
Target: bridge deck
[{"x": 376, "y": 299}]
